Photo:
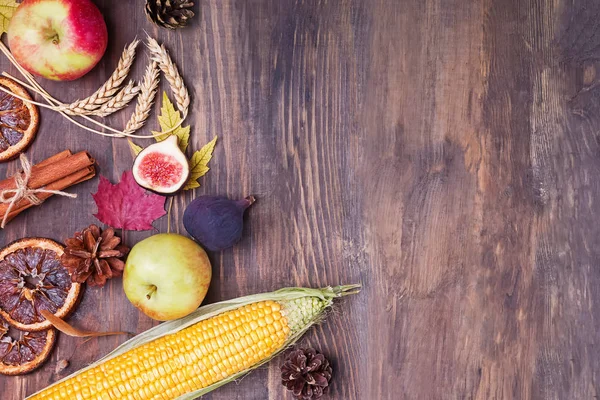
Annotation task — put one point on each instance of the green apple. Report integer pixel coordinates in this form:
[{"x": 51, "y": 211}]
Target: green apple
[{"x": 167, "y": 276}]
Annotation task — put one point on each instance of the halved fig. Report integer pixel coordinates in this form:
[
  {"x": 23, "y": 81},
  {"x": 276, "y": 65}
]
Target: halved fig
[
  {"x": 22, "y": 352},
  {"x": 162, "y": 167},
  {"x": 32, "y": 278}
]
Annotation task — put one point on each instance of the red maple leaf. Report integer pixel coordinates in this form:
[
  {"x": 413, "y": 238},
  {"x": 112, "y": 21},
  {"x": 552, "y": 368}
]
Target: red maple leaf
[{"x": 126, "y": 205}]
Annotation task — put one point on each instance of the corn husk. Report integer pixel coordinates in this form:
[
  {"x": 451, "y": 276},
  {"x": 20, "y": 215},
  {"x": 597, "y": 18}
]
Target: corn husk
[{"x": 326, "y": 294}]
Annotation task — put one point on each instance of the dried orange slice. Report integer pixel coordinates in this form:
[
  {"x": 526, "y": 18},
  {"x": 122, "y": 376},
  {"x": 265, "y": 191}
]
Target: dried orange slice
[
  {"x": 32, "y": 278},
  {"x": 19, "y": 120},
  {"x": 22, "y": 352}
]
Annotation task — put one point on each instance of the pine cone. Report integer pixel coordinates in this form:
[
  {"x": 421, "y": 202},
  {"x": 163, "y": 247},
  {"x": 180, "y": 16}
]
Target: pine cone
[
  {"x": 307, "y": 373},
  {"x": 169, "y": 13},
  {"x": 93, "y": 256}
]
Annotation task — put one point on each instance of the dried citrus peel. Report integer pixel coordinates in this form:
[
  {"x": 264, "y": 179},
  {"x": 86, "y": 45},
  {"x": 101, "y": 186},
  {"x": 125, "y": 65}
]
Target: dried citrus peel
[
  {"x": 33, "y": 278},
  {"x": 67, "y": 329},
  {"x": 22, "y": 353},
  {"x": 19, "y": 122}
]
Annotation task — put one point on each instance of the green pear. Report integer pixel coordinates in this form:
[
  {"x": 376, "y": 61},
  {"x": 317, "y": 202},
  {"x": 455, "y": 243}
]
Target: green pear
[{"x": 167, "y": 276}]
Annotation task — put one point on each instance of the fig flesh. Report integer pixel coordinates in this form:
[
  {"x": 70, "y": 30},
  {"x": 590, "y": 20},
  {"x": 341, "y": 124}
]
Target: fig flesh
[
  {"x": 161, "y": 167},
  {"x": 216, "y": 222}
]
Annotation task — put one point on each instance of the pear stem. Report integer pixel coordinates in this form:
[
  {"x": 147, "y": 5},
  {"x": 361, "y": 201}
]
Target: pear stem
[{"x": 151, "y": 292}]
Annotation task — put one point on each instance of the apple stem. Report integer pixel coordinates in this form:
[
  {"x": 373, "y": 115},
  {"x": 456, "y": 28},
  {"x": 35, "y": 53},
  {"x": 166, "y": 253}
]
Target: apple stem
[{"x": 151, "y": 292}]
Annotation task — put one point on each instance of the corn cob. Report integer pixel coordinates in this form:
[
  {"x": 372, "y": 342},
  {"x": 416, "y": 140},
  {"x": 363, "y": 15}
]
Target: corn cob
[{"x": 187, "y": 358}]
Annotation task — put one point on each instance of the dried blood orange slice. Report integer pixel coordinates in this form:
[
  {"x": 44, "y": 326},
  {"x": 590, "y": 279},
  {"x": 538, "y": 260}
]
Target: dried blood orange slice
[
  {"x": 32, "y": 278},
  {"x": 22, "y": 352},
  {"x": 19, "y": 120}
]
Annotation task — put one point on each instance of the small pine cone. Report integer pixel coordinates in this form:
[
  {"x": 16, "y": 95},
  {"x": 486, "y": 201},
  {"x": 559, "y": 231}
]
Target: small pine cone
[
  {"x": 306, "y": 373},
  {"x": 93, "y": 256},
  {"x": 169, "y": 14}
]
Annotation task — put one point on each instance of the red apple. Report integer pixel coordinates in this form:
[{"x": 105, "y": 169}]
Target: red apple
[{"x": 57, "y": 39}]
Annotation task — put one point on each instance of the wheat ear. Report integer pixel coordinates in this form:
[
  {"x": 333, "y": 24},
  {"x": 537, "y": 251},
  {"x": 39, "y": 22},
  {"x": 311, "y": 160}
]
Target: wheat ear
[
  {"x": 118, "y": 101},
  {"x": 106, "y": 92},
  {"x": 169, "y": 69},
  {"x": 55, "y": 104},
  {"x": 148, "y": 87}
]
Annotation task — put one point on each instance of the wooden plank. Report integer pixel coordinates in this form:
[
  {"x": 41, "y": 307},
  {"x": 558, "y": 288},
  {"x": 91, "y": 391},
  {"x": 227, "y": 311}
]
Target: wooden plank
[{"x": 441, "y": 152}]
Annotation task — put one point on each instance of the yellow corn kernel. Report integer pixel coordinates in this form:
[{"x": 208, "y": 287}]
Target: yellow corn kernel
[{"x": 185, "y": 361}]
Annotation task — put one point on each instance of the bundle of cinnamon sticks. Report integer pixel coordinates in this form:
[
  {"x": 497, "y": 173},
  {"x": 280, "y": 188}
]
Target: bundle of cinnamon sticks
[{"x": 58, "y": 172}]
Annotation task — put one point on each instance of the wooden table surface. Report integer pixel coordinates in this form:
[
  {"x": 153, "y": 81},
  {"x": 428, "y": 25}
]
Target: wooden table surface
[{"x": 444, "y": 153}]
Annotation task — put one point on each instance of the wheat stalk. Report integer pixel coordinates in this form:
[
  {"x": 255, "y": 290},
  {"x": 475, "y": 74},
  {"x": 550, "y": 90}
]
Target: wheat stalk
[
  {"x": 119, "y": 101},
  {"x": 105, "y": 93},
  {"x": 148, "y": 88},
  {"x": 169, "y": 69}
]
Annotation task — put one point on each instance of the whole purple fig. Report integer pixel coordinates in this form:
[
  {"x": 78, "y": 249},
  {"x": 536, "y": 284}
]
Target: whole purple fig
[{"x": 216, "y": 222}]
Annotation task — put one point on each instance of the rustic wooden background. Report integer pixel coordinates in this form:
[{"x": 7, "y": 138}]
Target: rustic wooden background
[{"x": 445, "y": 153}]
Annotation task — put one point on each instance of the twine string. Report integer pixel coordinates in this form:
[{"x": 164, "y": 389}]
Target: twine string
[{"x": 22, "y": 191}]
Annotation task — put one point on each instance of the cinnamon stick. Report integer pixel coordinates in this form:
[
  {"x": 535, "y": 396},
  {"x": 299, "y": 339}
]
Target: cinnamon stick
[
  {"x": 60, "y": 156},
  {"x": 52, "y": 172},
  {"x": 61, "y": 184},
  {"x": 58, "y": 172}
]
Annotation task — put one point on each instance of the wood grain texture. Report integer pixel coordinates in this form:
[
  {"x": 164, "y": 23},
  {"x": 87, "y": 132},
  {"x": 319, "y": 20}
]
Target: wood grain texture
[{"x": 444, "y": 153}]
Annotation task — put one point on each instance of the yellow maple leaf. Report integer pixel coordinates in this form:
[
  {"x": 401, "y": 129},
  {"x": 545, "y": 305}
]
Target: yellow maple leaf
[
  {"x": 199, "y": 164},
  {"x": 134, "y": 147},
  {"x": 191, "y": 185},
  {"x": 7, "y": 9},
  {"x": 168, "y": 119}
]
